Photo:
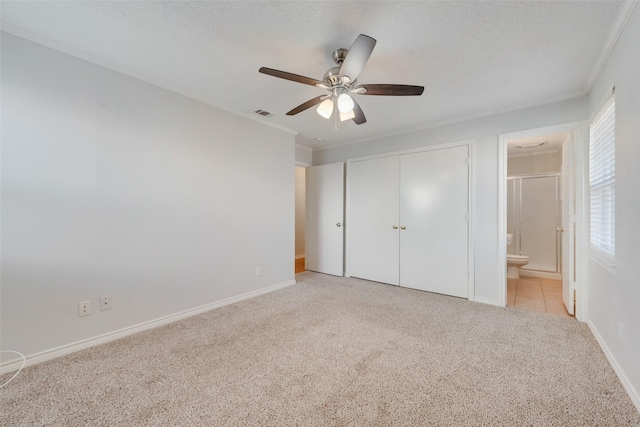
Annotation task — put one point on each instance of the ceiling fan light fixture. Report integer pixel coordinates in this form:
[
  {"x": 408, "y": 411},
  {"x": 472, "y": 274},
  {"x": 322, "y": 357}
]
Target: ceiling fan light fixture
[
  {"x": 325, "y": 109},
  {"x": 347, "y": 116},
  {"x": 341, "y": 83},
  {"x": 345, "y": 103}
]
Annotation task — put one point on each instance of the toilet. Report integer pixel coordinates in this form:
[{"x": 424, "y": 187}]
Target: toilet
[{"x": 515, "y": 262}]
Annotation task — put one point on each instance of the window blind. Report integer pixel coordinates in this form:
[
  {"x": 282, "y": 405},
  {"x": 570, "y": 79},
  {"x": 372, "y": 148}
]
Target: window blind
[{"x": 602, "y": 180}]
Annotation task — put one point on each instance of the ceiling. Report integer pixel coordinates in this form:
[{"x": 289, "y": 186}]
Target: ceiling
[{"x": 474, "y": 58}]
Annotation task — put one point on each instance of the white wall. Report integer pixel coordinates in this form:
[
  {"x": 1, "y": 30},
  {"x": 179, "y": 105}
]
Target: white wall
[
  {"x": 112, "y": 186},
  {"x": 485, "y": 131},
  {"x": 304, "y": 155},
  {"x": 615, "y": 297},
  {"x": 300, "y": 213},
  {"x": 541, "y": 163}
]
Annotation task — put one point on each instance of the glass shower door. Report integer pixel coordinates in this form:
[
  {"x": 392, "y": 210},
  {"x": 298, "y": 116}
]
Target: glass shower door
[{"x": 539, "y": 213}]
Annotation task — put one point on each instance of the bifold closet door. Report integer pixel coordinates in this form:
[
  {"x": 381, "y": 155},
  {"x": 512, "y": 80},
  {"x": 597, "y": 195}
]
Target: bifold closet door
[
  {"x": 434, "y": 208},
  {"x": 373, "y": 219}
]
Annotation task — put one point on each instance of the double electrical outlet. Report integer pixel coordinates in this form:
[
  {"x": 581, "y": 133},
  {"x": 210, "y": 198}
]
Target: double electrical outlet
[{"x": 84, "y": 307}]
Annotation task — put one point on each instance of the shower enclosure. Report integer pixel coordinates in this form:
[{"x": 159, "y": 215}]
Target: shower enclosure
[{"x": 534, "y": 218}]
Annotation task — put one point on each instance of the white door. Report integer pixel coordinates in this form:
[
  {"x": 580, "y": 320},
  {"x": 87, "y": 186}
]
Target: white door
[
  {"x": 373, "y": 226},
  {"x": 434, "y": 209},
  {"x": 568, "y": 224},
  {"x": 324, "y": 230}
]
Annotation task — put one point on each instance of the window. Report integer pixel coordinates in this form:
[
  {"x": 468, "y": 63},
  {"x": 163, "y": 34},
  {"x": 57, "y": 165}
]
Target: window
[{"x": 602, "y": 183}]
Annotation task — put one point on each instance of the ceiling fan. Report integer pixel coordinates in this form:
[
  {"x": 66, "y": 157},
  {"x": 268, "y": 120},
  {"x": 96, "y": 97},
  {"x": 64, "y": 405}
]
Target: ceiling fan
[{"x": 341, "y": 83}]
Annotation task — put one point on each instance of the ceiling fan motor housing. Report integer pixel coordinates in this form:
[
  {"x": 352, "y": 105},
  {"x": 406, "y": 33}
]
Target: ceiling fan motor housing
[
  {"x": 339, "y": 55},
  {"x": 333, "y": 78}
]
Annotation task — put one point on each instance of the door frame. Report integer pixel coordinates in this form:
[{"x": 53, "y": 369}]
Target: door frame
[
  {"x": 303, "y": 165},
  {"x": 579, "y": 128},
  {"x": 470, "y": 144}
]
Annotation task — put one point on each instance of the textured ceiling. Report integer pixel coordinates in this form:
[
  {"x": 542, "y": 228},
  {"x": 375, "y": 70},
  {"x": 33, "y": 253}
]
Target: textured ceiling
[{"x": 474, "y": 58}]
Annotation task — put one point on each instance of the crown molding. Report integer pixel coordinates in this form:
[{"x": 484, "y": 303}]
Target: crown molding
[
  {"x": 614, "y": 35},
  {"x": 80, "y": 54},
  {"x": 459, "y": 119}
]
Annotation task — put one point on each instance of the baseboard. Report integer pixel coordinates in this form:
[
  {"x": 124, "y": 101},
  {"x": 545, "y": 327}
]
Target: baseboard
[
  {"x": 299, "y": 256},
  {"x": 33, "y": 359},
  {"x": 633, "y": 394},
  {"x": 487, "y": 301},
  {"x": 540, "y": 274}
]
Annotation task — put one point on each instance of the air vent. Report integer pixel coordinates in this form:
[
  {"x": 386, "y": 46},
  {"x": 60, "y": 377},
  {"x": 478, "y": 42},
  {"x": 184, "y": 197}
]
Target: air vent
[{"x": 263, "y": 113}]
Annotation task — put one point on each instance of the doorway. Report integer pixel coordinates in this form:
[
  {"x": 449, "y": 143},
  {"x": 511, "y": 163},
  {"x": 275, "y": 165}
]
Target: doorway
[
  {"x": 534, "y": 223},
  {"x": 299, "y": 262},
  {"x": 538, "y": 231}
]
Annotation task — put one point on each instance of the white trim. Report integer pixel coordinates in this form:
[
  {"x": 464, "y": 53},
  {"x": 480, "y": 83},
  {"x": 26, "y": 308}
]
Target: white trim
[
  {"x": 456, "y": 120},
  {"x": 614, "y": 35},
  {"x": 470, "y": 144},
  {"x": 347, "y": 218},
  {"x": 534, "y": 175},
  {"x": 471, "y": 291},
  {"x": 581, "y": 161},
  {"x": 53, "y": 353},
  {"x": 540, "y": 274},
  {"x": 442, "y": 146},
  {"x": 502, "y": 218},
  {"x": 77, "y": 53},
  {"x": 488, "y": 301},
  {"x": 628, "y": 387},
  {"x": 579, "y": 129}
]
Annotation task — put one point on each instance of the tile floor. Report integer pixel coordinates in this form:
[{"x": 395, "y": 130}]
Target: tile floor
[
  {"x": 529, "y": 293},
  {"x": 536, "y": 294}
]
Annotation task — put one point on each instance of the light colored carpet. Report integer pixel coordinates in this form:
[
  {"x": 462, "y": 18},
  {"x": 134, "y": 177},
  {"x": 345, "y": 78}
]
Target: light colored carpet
[{"x": 333, "y": 351}]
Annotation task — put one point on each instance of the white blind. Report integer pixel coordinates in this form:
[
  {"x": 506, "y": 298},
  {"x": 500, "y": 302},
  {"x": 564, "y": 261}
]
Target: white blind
[{"x": 602, "y": 181}]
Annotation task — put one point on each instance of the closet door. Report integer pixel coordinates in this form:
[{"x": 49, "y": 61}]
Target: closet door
[
  {"x": 434, "y": 207},
  {"x": 372, "y": 225}
]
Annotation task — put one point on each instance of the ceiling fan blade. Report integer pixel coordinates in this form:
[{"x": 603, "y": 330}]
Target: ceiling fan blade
[
  {"x": 357, "y": 57},
  {"x": 391, "y": 90},
  {"x": 290, "y": 76},
  {"x": 359, "y": 118},
  {"x": 310, "y": 103}
]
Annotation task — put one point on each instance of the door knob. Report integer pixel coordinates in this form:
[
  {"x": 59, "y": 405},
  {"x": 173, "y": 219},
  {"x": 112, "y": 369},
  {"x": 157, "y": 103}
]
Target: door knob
[
  {"x": 560, "y": 230},
  {"x": 395, "y": 227},
  {"x": 402, "y": 227},
  {"x": 338, "y": 225}
]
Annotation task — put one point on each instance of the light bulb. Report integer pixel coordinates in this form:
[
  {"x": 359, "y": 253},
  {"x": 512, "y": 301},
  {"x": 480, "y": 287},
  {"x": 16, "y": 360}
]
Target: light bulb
[
  {"x": 347, "y": 116},
  {"x": 345, "y": 103},
  {"x": 325, "y": 109}
]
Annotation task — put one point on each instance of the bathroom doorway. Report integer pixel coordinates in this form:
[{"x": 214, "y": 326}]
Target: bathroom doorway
[
  {"x": 538, "y": 218},
  {"x": 300, "y": 214}
]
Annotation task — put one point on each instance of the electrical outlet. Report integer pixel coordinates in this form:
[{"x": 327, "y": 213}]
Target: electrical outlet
[
  {"x": 105, "y": 303},
  {"x": 620, "y": 330},
  {"x": 84, "y": 308},
  {"x": 258, "y": 271}
]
